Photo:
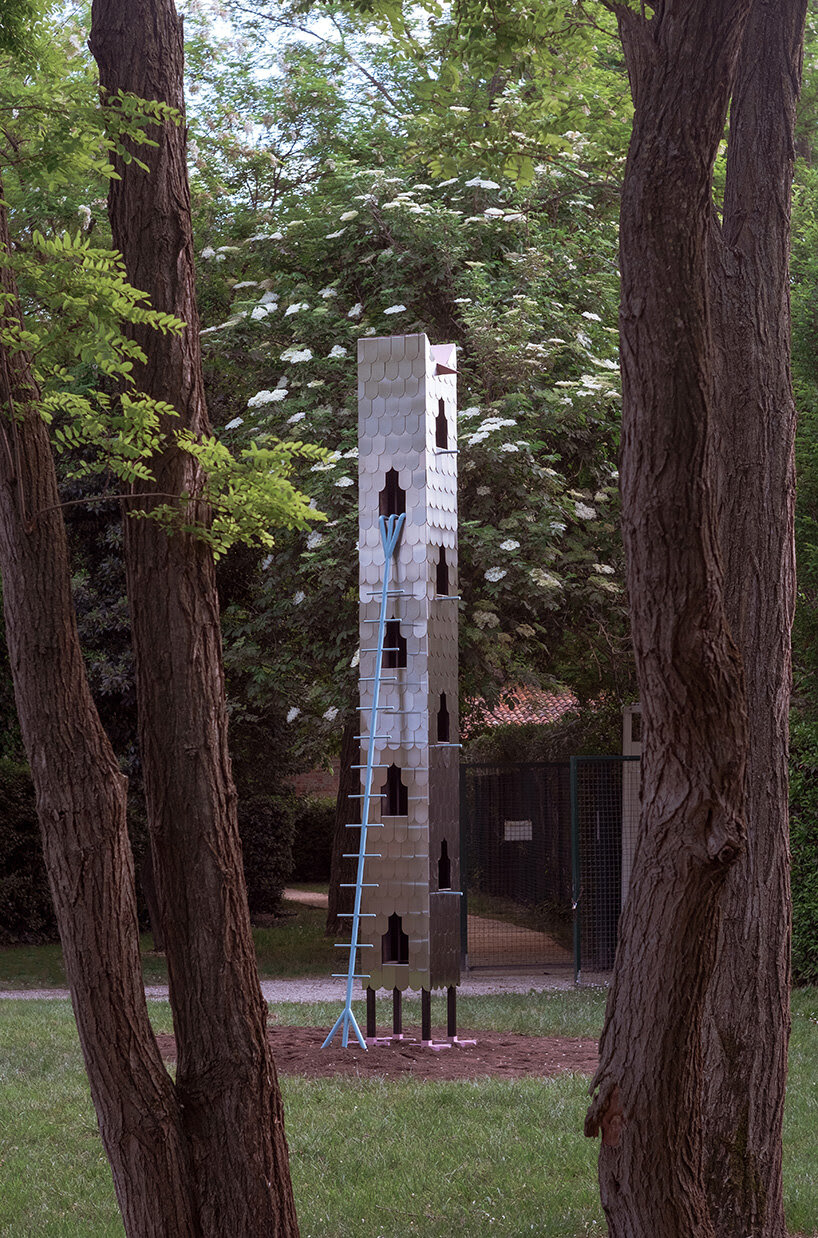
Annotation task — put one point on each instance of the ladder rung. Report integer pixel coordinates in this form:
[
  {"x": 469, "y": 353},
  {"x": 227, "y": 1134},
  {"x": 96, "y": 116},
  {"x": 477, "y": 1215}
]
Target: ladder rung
[
  {"x": 350, "y": 915},
  {"x": 367, "y": 767},
  {"x": 347, "y": 945},
  {"x": 447, "y": 597},
  {"x": 374, "y": 737},
  {"x": 342, "y": 975},
  {"x": 354, "y": 855},
  {"x": 370, "y": 825},
  {"x": 386, "y": 649},
  {"x": 390, "y": 593},
  {"x": 353, "y": 885},
  {"x": 447, "y": 451},
  {"x": 372, "y": 678}
]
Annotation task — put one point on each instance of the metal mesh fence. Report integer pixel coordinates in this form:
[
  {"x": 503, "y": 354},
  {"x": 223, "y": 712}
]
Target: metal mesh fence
[
  {"x": 516, "y": 860},
  {"x": 546, "y": 854},
  {"x": 605, "y": 814}
]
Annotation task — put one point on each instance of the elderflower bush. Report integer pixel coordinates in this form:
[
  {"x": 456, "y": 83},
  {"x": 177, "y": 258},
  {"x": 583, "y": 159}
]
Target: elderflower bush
[{"x": 529, "y": 312}]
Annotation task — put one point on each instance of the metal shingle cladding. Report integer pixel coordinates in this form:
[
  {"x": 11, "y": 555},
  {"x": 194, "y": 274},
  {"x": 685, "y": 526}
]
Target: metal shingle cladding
[{"x": 401, "y": 382}]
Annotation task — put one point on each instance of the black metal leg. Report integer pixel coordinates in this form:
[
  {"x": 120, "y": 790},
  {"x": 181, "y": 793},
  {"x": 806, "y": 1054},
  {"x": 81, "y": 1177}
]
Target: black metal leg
[
  {"x": 370, "y": 1012},
  {"x": 425, "y": 1014},
  {"x": 397, "y": 1012},
  {"x": 451, "y": 1011}
]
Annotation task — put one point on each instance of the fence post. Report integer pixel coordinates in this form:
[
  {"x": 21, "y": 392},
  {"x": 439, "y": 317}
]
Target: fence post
[
  {"x": 464, "y": 883},
  {"x": 575, "y": 878}
]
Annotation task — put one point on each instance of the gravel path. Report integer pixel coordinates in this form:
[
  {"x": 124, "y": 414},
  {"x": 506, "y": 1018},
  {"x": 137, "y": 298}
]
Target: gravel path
[{"x": 326, "y": 989}]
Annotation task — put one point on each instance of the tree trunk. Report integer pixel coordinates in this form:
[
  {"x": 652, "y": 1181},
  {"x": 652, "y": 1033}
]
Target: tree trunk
[
  {"x": 747, "y": 1024},
  {"x": 81, "y": 807},
  {"x": 226, "y": 1079},
  {"x": 344, "y": 840},
  {"x": 649, "y": 1083}
]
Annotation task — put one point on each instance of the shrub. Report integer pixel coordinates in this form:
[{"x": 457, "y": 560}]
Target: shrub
[
  {"x": 804, "y": 846},
  {"x": 266, "y": 824},
  {"x": 588, "y": 731},
  {"x": 314, "y": 828},
  {"x": 26, "y": 910}
]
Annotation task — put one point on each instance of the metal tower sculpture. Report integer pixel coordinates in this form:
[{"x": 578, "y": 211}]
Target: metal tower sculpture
[{"x": 406, "y": 917}]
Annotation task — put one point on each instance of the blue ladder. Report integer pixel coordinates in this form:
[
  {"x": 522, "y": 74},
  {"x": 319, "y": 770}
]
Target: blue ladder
[{"x": 391, "y": 528}]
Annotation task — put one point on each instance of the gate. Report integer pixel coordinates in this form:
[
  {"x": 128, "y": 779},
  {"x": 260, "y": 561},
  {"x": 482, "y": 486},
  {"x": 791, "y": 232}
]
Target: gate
[
  {"x": 546, "y": 854},
  {"x": 516, "y": 857}
]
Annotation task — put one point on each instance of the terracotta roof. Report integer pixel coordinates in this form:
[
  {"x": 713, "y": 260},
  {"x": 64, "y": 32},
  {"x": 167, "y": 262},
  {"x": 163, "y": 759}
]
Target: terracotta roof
[{"x": 522, "y": 704}]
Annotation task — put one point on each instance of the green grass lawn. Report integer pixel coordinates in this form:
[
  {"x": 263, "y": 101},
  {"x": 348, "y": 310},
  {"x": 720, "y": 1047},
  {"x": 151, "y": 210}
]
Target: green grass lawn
[
  {"x": 370, "y": 1159},
  {"x": 294, "y": 947}
]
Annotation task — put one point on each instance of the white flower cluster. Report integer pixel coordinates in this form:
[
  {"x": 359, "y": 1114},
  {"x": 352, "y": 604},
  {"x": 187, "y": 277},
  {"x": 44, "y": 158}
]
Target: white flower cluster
[
  {"x": 296, "y": 417},
  {"x": 296, "y": 354},
  {"x": 314, "y": 540},
  {"x": 299, "y": 596},
  {"x": 337, "y": 350},
  {"x": 232, "y": 425},
  {"x": 356, "y": 311},
  {"x": 293, "y": 713},
  {"x": 328, "y": 292},
  {"x": 267, "y": 397},
  {"x": 584, "y": 512},
  {"x": 486, "y": 619},
  {"x": 331, "y": 714},
  {"x": 487, "y": 427},
  {"x": 544, "y": 579},
  {"x": 495, "y": 573},
  {"x": 395, "y": 309},
  {"x": 344, "y": 481},
  {"x": 604, "y": 569},
  {"x": 296, "y": 307},
  {"x": 477, "y": 182},
  {"x": 510, "y": 544}
]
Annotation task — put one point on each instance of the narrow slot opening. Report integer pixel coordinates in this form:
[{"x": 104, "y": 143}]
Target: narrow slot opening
[
  {"x": 392, "y": 499},
  {"x": 444, "y": 868},
  {"x": 441, "y": 426},
  {"x": 396, "y": 794},
  {"x": 442, "y": 574},
  {"x": 394, "y": 942},
  {"x": 443, "y": 721},
  {"x": 394, "y": 646}
]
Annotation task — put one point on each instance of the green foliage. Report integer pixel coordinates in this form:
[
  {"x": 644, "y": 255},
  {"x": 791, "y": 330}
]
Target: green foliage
[
  {"x": 26, "y": 911},
  {"x": 595, "y": 730},
  {"x": 804, "y": 847},
  {"x": 80, "y": 314},
  {"x": 266, "y": 825},
  {"x": 312, "y": 846}
]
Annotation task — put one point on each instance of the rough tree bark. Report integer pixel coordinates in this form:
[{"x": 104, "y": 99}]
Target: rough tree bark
[
  {"x": 747, "y": 1022},
  {"x": 226, "y": 1080},
  {"x": 81, "y": 806},
  {"x": 707, "y": 504}
]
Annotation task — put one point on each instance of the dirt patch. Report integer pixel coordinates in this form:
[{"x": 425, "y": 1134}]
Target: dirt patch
[{"x": 297, "y": 1051}]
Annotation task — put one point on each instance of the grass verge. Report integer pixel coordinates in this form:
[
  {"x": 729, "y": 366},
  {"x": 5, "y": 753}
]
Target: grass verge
[
  {"x": 294, "y": 947},
  {"x": 370, "y": 1159}
]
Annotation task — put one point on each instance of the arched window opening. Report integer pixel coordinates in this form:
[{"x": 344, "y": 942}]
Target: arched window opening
[
  {"x": 394, "y": 646},
  {"x": 444, "y": 868},
  {"x": 441, "y": 426},
  {"x": 395, "y": 943},
  {"x": 396, "y": 794},
  {"x": 392, "y": 499},
  {"x": 443, "y": 721},
  {"x": 442, "y": 574}
]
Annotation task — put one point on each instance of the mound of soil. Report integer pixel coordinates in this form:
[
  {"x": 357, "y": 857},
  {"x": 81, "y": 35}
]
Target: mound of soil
[{"x": 297, "y": 1051}]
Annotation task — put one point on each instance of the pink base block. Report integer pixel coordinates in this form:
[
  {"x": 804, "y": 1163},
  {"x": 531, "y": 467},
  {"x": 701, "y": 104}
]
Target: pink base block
[
  {"x": 436, "y": 1045},
  {"x": 455, "y": 1040}
]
